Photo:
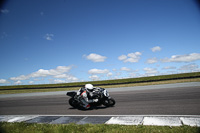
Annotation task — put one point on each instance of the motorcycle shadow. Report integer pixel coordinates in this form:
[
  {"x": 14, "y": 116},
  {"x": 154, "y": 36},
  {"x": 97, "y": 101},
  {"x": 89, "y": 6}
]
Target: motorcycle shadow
[{"x": 91, "y": 108}]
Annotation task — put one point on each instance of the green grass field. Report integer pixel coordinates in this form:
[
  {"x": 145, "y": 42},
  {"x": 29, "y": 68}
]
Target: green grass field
[
  {"x": 165, "y": 79},
  {"x": 90, "y": 128}
]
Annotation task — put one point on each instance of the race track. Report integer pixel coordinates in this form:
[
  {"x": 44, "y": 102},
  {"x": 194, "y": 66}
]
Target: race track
[{"x": 158, "y": 100}]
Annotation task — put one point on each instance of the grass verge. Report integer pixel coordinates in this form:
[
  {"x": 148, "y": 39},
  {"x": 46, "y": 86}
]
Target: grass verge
[
  {"x": 90, "y": 128},
  {"x": 103, "y": 86},
  {"x": 154, "y": 80}
]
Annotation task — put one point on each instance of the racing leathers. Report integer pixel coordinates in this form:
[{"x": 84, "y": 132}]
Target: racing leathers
[{"x": 86, "y": 96}]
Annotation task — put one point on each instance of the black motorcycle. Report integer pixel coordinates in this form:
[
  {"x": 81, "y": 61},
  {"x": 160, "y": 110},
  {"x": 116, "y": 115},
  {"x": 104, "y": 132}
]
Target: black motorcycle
[{"x": 101, "y": 94}]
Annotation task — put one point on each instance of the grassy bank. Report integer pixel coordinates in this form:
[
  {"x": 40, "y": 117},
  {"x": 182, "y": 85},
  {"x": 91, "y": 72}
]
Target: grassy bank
[
  {"x": 90, "y": 128},
  {"x": 164, "y": 79}
]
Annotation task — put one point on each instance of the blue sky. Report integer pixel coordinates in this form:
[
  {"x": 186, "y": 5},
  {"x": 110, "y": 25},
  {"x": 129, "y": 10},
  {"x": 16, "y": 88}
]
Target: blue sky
[{"x": 51, "y": 41}]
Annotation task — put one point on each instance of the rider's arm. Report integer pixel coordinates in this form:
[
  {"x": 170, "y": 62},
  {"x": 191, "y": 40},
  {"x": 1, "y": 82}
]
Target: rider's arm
[
  {"x": 85, "y": 96},
  {"x": 88, "y": 101},
  {"x": 79, "y": 91}
]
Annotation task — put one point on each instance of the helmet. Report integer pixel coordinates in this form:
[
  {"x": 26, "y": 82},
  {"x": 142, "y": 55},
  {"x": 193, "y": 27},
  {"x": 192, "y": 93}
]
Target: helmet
[{"x": 89, "y": 86}]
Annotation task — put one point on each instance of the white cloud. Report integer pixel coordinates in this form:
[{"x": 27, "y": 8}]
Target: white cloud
[
  {"x": 169, "y": 67},
  {"x": 134, "y": 55},
  {"x": 114, "y": 69},
  {"x": 98, "y": 71},
  {"x": 152, "y": 60},
  {"x": 131, "y": 60},
  {"x": 18, "y": 82},
  {"x": 61, "y": 76},
  {"x": 190, "y": 68},
  {"x": 132, "y": 74},
  {"x": 69, "y": 78},
  {"x": 72, "y": 79},
  {"x": 5, "y": 11},
  {"x": 150, "y": 71},
  {"x": 59, "y": 81},
  {"x": 155, "y": 49},
  {"x": 21, "y": 77},
  {"x": 40, "y": 73},
  {"x": 59, "y": 72},
  {"x": 94, "y": 77},
  {"x": 125, "y": 69},
  {"x": 97, "y": 74},
  {"x": 49, "y": 37},
  {"x": 131, "y": 57},
  {"x": 95, "y": 57},
  {"x": 109, "y": 74},
  {"x": 52, "y": 72},
  {"x": 122, "y": 57},
  {"x": 3, "y": 81},
  {"x": 183, "y": 58},
  {"x": 31, "y": 82}
]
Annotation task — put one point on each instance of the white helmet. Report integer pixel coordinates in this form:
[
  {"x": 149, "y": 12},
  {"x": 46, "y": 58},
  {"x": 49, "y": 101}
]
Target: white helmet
[{"x": 89, "y": 86}]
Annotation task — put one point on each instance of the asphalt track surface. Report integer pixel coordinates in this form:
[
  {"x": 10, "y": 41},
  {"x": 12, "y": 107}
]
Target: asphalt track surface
[{"x": 158, "y": 100}]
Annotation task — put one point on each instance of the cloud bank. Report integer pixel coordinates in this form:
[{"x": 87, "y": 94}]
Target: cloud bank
[
  {"x": 58, "y": 72},
  {"x": 183, "y": 58}
]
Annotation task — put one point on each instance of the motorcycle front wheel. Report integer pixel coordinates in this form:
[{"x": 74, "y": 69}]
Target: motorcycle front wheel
[
  {"x": 109, "y": 102},
  {"x": 73, "y": 103}
]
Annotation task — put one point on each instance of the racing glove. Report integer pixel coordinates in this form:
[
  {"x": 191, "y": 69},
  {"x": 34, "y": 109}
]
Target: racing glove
[{"x": 95, "y": 100}]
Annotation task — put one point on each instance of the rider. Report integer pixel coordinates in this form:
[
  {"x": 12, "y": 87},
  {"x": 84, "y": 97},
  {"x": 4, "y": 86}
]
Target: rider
[{"x": 86, "y": 94}]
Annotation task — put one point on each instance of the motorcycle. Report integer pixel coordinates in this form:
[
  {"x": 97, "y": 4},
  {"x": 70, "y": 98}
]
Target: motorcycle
[{"x": 101, "y": 94}]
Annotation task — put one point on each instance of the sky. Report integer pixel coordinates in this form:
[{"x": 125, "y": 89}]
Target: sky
[{"x": 62, "y": 41}]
